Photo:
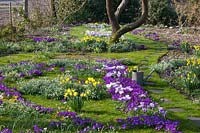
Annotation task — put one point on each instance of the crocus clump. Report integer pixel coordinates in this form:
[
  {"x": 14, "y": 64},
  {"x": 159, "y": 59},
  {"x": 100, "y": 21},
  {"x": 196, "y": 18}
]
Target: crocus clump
[
  {"x": 37, "y": 129},
  {"x": 151, "y": 121},
  {"x": 1, "y": 101},
  {"x": 125, "y": 89},
  {"x": 87, "y": 124},
  {"x": 138, "y": 31},
  {"x": 35, "y": 72},
  {"x": 1, "y": 77},
  {"x": 67, "y": 114},
  {"x": 6, "y": 130},
  {"x": 12, "y": 92},
  {"x": 153, "y": 36},
  {"x": 44, "y": 39}
]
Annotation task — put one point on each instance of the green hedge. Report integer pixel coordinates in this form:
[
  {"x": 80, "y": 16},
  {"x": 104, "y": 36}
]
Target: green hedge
[{"x": 160, "y": 12}]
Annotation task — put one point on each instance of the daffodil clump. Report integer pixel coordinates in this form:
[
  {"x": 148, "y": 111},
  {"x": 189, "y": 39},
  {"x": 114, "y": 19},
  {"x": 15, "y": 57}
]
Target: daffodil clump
[
  {"x": 97, "y": 90},
  {"x": 197, "y": 50},
  {"x": 92, "y": 81},
  {"x": 188, "y": 77},
  {"x": 197, "y": 47},
  {"x": 75, "y": 98},
  {"x": 91, "y": 38},
  {"x": 134, "y": 68},
  {"x": 73, "y": 93},
  {"x": 193, "y": 65},
  {"x": 64, "y": 79},
  {"x": 9, "y": 99},
  {"x": 190, "y": 82},
  {"x": 193, "y": 62},
  {"x": 93, "y": 44}
]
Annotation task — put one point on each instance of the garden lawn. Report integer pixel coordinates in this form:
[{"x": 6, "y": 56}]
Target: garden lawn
[{"x": 104, "y": 110}]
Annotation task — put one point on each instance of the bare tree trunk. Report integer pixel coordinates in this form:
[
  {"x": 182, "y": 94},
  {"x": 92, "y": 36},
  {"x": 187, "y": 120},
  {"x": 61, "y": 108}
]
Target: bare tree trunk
[
  {"x": 129, "y": 27},
  {"x": 26, "y": 8},
  {"x": 112, "y": 18},
  {"x": 120, "y": 8},
  {"x": 53, "y": 8}
]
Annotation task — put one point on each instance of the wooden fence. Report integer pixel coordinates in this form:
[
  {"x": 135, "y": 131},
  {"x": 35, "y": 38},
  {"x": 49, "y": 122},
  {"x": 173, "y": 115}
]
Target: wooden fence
[
  {"x": 31, "y": 7},
  {"x": 6, "y": 10}
]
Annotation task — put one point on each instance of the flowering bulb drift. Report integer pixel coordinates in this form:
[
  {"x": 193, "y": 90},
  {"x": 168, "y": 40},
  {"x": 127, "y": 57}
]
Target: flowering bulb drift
[{"x": 125, "y": 89}]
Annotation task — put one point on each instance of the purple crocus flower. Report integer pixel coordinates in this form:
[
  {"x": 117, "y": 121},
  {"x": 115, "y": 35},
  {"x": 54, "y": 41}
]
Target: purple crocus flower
[
  {"x": 1, "y": 77},
  {"x": 80, "y": 66},
  {"x": 21, "y": 75},
  {"x": 1, "y": 101},
  {"x": 6, "y": 130},
  {"x": 35, "y": 72},
  {"x": 40, "y": 65},
  {"x": 153, "y": 36},
  {"x": 62, "y": 69},
  {"x": 138, "y": 31},
  {"x": 41, "y": 39},
  {"x": 55, "y": 123},
  {"x": 150, "y": 121},
  {"x": 67, "y": 114},
  {"x": 37, "y": 129}
]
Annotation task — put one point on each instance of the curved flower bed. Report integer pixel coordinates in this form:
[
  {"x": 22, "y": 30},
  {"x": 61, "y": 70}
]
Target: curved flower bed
[{"x": 123, "y": 89}]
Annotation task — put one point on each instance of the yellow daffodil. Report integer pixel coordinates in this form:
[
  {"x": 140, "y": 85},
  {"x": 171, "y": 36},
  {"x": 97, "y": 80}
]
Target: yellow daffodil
[
  {"x": 86, "y": 82},
  {"x": 135, "y": 67},
  {"x": 68, "y": 90},
  {"x": 95, "y": 84},
  {"x": 188, "y": 62},
  {"x": 81, "y": 95},
  {"x": 67, "y": 79},
  {"x": 66, "y": 94},
  {"x": 90, "y": 38},
  {"x": 197, "y": 47},
  {"x": 62, "y": 118},
  {"x": 198, "y": 61},
  {"x": 75, "y": 94}
]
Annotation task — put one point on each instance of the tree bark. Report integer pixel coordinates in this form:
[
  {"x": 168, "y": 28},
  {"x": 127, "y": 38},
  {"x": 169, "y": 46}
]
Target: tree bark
[
  {"x": 26, "y": 8},
  {"x": 53, "y": 9},
  {"x": 111, "y": 16},
  {"x": 129, "y": 27},
  {"x": 120, "y": 8}
]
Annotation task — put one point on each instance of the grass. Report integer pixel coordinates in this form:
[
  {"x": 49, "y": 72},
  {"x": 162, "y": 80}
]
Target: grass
[{"x": 104, "y": 110}]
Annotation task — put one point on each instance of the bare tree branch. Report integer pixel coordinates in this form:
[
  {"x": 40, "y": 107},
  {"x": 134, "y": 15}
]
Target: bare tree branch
[
  {"x": 120, "y": 8},
  {"x": 133, "y": 25},
  {"x": 76, "y": 10},
  {"x": 111, "y": 15}
]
